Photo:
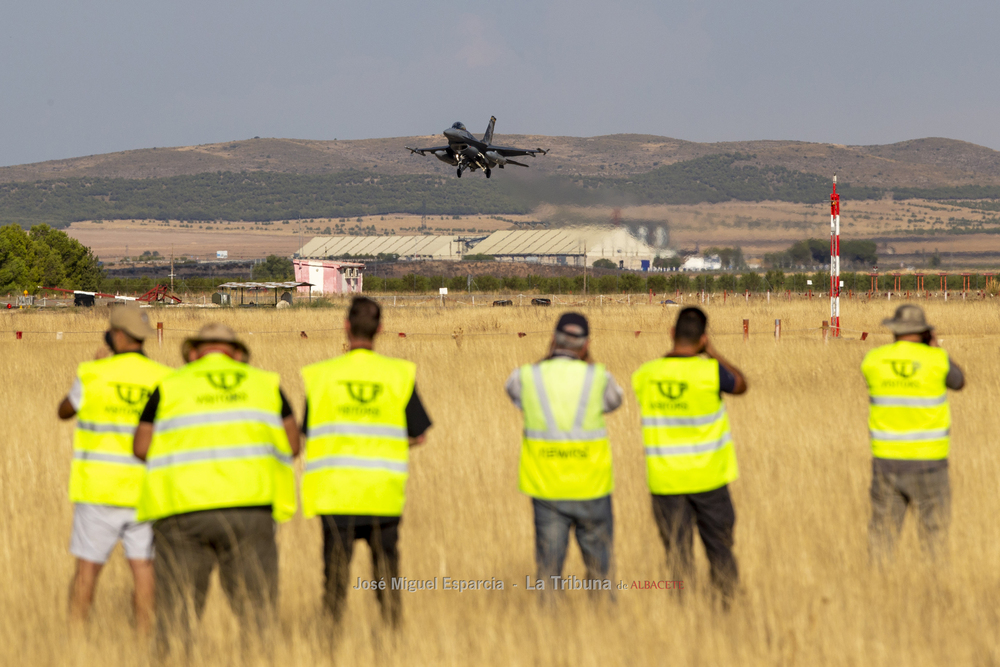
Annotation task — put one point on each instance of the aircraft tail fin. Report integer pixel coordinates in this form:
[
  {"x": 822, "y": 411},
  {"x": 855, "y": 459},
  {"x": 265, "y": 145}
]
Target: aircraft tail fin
[{"x": 488, "y": 137}]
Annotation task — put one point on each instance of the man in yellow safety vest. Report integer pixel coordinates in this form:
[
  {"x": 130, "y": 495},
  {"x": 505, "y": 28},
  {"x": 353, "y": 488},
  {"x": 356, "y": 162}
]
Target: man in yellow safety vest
[
  {"x": 106, "y": 399},
  {"x": 565, "y": 462},
  {"x": 218, "y": 437},
  {"x": 909, "y": 423},
  {"x": 690, "y": 459},
  {"x": 363, "y": 414}
]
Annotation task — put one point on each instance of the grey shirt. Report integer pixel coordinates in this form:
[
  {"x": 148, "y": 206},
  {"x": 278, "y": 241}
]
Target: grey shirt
[
  {"x": 613, "y": 394},
  {"x": 954, "y": 380}
]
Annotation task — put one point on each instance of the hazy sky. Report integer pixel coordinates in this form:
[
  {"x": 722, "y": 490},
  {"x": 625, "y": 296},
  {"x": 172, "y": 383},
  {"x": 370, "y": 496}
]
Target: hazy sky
[{"x": 79, "y": 78}]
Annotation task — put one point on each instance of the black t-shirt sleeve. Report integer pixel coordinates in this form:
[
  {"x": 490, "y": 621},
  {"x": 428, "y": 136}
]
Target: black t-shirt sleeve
[
  {"x": 149, "y": 412},
  {"x": 286, "y": 407},
  {"x": 305, "y": 419},
  {"x": 417, "y": 421},
  {"x": 727, "y": 381}
]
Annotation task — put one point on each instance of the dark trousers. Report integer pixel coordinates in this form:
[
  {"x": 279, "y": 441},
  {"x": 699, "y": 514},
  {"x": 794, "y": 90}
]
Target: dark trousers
[
  {"x": 713, "y": 513},
  {"x": 382, "y": 535},
  {"x": 188, "y": 547},
  {"x": 929, "y": 492},
  {"x": 593, "y": 523}
]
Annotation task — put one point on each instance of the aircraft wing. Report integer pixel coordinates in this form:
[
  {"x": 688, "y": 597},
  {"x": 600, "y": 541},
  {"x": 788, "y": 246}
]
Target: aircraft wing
[
  {"x": 424, "y": 151},
  {"x": 507, "y": 151}
]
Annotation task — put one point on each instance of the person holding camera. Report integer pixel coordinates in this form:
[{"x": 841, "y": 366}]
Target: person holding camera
[
  {"x": 909, "y": 423},
  {"x": 690, "y": 459}
]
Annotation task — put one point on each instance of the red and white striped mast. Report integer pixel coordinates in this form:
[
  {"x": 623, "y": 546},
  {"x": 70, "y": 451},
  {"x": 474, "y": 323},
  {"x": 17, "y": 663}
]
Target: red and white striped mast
[{"x": 835, "y": 260}]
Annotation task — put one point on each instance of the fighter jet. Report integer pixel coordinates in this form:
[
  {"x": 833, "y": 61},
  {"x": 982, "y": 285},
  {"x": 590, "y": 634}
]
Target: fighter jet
[{"x": 466, "y": 152}]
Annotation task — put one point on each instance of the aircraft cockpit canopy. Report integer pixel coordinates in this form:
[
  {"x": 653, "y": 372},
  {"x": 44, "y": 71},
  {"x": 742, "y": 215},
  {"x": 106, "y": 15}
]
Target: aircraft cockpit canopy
[{"x": 458, "y": 126}]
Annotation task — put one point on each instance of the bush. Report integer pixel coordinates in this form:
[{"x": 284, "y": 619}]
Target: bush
[
  {"x": 604, "y": 285},
  {"x": 604, "y": 264},
  {"x": 678, "y": 282},
  {"x": 514, "y": 283},
  {"x": 415, "y": 283},
  {"x": 632, "y": 283},
  {"x": 751, "y": 282},
  {"x": 458, "y": 284},
  {"x": 657, "y": 283},
  {"x": 726, "y": 282},
  {"x": 486, "y": 284}
]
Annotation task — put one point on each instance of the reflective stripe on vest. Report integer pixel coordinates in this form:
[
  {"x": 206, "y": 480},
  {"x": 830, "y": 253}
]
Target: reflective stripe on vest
[
  {"x": 685, "y": 427},
  {"x": 220, "y": 454},
  {"x": 226, "y": 417},
  {"x": 565, "y": 454},
  {"x": 115, "y": 390},
  {"x": 908, "y": 415},
  {"x": 357, "y": 451},
  {"x": 218, "y": 442},
  {"x": 328, "y": 462}
]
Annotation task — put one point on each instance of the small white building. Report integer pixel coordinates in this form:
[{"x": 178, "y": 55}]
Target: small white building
[{"x": 700, "y": 263}]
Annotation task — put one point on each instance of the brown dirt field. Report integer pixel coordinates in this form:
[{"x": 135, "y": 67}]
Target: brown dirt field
[{"x": 899, "y": 227}]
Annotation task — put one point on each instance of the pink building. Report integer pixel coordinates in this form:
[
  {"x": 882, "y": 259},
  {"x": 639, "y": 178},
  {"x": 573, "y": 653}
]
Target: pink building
[{"x": 328, "y": 276}]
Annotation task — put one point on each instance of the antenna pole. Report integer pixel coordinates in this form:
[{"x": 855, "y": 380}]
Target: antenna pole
[{"x": 835, "y": 260}]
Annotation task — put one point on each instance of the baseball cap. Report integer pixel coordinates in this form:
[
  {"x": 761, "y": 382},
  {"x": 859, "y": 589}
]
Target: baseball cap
[
  {"x": 132, "y": 321},
  {"x": 908, "y": 319},
  {"x": 573, "y": 324}
]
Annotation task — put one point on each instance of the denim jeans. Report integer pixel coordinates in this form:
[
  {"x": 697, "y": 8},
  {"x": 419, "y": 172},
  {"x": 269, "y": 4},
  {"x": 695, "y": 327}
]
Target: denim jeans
[{"x": 594, "y": 526}]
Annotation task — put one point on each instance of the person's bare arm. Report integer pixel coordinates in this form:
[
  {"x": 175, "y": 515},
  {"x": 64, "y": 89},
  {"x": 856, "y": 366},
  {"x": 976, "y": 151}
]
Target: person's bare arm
[
  {"x": 419, "y": 440},
  {"x": 741, "y": 383},
  {"x": 140, "y": 442},
  {"x": 66, "y": 409},
  {"x": 292, "y": 430}
]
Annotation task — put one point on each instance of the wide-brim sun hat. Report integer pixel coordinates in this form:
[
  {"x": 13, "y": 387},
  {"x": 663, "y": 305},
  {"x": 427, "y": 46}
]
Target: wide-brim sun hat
[
  {"x": 908, "y": 319},
  {"x": 215, "y": 332}
]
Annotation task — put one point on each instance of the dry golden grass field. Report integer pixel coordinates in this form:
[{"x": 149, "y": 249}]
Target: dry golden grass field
[{"x": 808, "y": 594}]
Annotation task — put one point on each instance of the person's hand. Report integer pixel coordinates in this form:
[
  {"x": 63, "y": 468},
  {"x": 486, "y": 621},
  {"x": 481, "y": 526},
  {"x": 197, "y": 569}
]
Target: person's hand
[
  {"x": 933, "y": 342},
  {"x": 102, "y": 353},
  {"x": 709, "y": 349}
]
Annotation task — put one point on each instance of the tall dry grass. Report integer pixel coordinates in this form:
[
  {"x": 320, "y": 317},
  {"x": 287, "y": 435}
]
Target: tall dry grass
[{"x": 808, "y": 594}]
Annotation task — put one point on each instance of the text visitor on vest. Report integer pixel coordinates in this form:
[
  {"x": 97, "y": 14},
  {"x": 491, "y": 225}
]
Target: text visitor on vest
[
  {"x": 363, "y": 413},
  {"x": 107, "y": 397},
  {"x": 909, "y": 423},
  {"x": 690, "y": 458},
  {"x": 218, "y": 437}
]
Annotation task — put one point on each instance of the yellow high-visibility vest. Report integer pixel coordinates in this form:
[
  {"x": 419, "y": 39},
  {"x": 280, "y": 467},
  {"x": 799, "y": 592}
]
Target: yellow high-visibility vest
[
  {"x": 218, "y": 442},
  {"x": 685, "y": 427},
  {"x": 565, "y": 453},
  {"x": 357, "y": 447},
  {"x": 115, "y": 390},
  {"x": 908, "y": 414}
]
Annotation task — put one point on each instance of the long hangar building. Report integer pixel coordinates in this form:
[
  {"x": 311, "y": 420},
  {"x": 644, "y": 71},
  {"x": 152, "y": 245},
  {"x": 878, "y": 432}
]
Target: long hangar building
[{"x": 334, "y": 264}]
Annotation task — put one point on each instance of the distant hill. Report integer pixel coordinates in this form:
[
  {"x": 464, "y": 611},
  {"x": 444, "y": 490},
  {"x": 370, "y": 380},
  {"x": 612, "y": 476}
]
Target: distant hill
[
  {"x": 270, "y": 196},
  {"x": 920, "y": 163}
]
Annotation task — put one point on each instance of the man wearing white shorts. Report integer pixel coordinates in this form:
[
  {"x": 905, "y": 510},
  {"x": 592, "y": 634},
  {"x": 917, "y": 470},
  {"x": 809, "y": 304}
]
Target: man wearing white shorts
[{"x": 107, "y": 398}]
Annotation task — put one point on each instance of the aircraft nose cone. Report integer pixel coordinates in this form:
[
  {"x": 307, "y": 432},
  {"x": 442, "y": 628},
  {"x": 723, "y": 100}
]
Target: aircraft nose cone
[{"x": 451, "y": 133}]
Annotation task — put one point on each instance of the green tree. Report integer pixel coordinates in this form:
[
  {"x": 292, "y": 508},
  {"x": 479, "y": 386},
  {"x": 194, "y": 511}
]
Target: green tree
[
  {"x": 17, "y": 259},
  {"x": 79, "y": 270},
  {"x": 775, "y": 280},
  {"x": 631, "y": 283},
  {"x": 273, "y": 269},
  {"x": 657, "y": 282},
  {"x": 604, "y": 264}
]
